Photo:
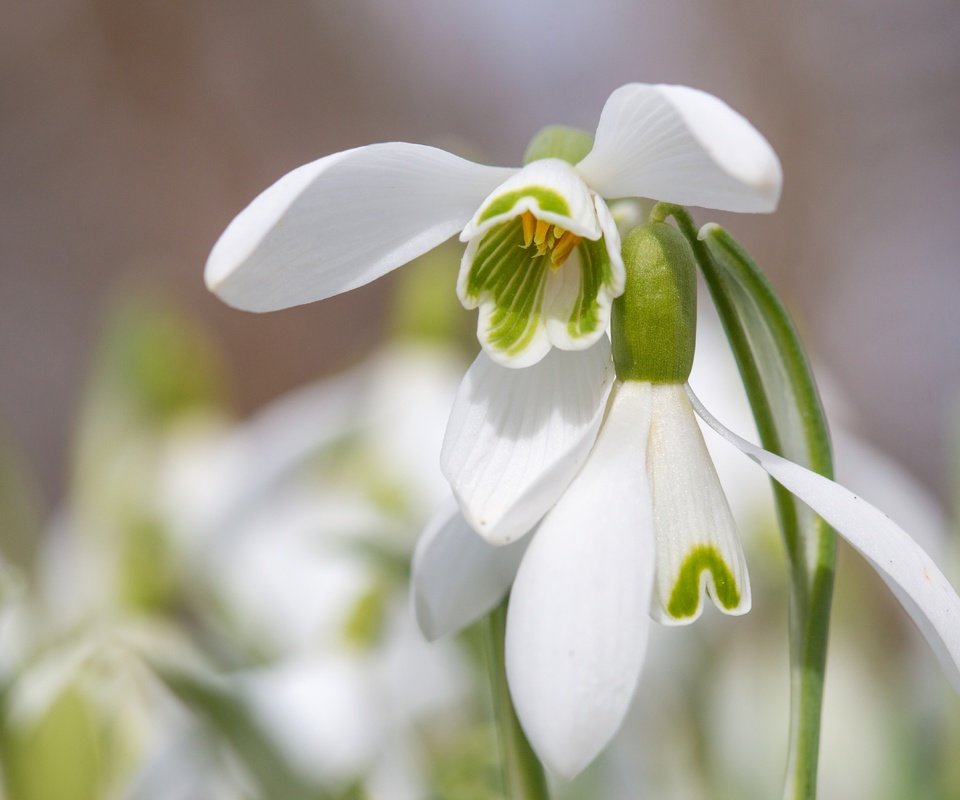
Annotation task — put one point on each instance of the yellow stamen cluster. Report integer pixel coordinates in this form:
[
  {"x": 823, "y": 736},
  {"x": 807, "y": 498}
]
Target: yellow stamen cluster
[{"x": 546, "y": 237}]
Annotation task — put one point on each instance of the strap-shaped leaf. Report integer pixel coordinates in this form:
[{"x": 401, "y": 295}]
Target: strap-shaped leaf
[{"x": 790, "y": 420}]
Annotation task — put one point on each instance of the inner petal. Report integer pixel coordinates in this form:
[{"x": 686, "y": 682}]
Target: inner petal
[
  {"x": 505, "y": 276},
  {"x": 551, "y": 191},
  {"x": 537, "y": 285}
]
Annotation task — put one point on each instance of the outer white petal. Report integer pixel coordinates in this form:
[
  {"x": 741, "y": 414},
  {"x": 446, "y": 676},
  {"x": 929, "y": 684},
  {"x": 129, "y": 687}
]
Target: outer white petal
[
  {"x": 578, "y": 619},
  {"x": 917, "y": 582},
  {"x": 681, "y": 145},
  {"x": 510, "y": 200},
  {"x": 340, "y": 222},
  {"x": 457, "y": 576},
  {"x": 516, "y": 437},
  {"x": 693, "y": 519}
]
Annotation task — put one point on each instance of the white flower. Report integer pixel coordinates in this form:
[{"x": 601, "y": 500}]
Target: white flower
[
  {"x": 641, "y": 530},
  {"x": 543, "y": 254}
]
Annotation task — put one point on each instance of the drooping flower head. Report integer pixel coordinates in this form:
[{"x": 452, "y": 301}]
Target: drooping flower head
[
  {"x": 626, "y": 515},
  {"x": 542, "y": 261}
]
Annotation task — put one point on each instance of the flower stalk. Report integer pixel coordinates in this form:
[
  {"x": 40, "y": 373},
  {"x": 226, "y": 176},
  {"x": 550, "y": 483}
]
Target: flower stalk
[
  {"x": 759, "y": 328},
  {"x": 523, "y": 775}
]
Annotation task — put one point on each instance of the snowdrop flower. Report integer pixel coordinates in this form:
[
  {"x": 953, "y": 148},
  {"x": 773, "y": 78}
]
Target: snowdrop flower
[
  {"x": 542, "y": 260},
  {"x": 641, "y": 530},
  {"x": 287, "y": 553}
]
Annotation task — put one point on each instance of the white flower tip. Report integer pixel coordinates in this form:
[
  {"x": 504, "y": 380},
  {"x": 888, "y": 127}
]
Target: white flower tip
[
  {"x": 430, "y": 626},
  {"x": 235, "y": 252},
  {"x": 770, "y": 185},
  {"x": 456, "y": 576},
  {"x": 706, "y": 573},
  {"x": 566, "y": 756},
  {"x": 498, "y": 530},
  {"x": 532, "y": 354},
  {"x": 217, "y": 278},
  {"x": 707, "y": 230},
  {"x": 221, "y": 263},
  {"x": 665, "y": 618}
]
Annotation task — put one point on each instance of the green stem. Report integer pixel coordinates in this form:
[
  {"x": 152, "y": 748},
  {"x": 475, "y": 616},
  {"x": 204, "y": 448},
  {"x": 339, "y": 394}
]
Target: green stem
[
  {"x": 811, "y": 552},
  {"x": 523, "y": 776}
]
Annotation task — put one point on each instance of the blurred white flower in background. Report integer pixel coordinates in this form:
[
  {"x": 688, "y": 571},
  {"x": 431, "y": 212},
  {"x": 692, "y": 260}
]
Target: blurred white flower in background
[{"x": 276, "y": 551}]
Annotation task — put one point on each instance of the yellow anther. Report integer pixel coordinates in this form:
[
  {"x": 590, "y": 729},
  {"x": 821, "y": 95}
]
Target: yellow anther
[
  {"x": 540, "y": 236},
  {"x": 529, "y": 223},
  {"x": 563, "y": 248},
  {"x": 558, "y": 241}
]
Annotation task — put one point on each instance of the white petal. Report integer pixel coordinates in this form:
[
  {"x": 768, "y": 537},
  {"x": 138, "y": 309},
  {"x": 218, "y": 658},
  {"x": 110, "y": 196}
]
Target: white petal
[
  {"x": 917, "y": 582},
  {"x": 561, "y": 295},
  {"x": 340, "y": 222},
  {"x": 578, "y": 619},
  {"x": 516, "y": 437},
  {"x": 681, "y": 145},
  {"x": 550, "y": 189},
  {"x": 697, "y": 543},
  {"x": 457, "y": 576},
  {"x": 869, "y": 472}
]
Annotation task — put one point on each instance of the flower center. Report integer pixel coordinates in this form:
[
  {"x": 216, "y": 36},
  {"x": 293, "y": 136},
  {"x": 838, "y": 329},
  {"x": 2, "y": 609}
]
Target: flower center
[{"x": 547, "y": 237}]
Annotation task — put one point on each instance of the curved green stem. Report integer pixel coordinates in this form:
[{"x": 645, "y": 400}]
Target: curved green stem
[
  {"x": 523, "y": 776},
  {"x": 753, "y": 316}
]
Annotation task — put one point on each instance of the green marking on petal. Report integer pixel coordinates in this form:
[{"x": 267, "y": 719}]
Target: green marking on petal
[
  {"x": 513, "y": 275},
  {"x": 685, "y": 596},
  {"x": 548, "y": 200},
  {"x": 595, "y": 272}
]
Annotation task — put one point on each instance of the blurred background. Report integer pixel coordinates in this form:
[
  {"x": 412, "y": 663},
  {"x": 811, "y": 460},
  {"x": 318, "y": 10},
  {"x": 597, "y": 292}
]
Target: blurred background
[
  {"x": 204, "y": 553},
  {"x": 134, "y": 131}
]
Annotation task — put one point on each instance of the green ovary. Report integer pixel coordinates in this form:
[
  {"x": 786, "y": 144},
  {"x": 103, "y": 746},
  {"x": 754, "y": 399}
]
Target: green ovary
[{"x": 685, "y": 597}]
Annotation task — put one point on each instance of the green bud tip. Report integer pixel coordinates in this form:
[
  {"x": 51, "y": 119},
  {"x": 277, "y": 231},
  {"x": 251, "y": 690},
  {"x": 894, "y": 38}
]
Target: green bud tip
[
  {"x": 557, "y": 141},
  {"x": 654, "y": 322}
]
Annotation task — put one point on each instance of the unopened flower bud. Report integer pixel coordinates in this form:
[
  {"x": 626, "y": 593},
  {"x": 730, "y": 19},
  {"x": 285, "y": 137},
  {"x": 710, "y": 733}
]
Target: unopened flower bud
[{"x": 559, "y": 141}]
